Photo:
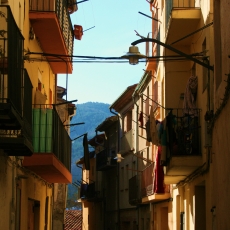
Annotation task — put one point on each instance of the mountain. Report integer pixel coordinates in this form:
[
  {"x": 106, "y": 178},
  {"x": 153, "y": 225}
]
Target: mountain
[{"x": 91, "y": 114}]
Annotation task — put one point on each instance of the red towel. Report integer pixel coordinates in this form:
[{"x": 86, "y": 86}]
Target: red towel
[{"x": 159, "y": 174}]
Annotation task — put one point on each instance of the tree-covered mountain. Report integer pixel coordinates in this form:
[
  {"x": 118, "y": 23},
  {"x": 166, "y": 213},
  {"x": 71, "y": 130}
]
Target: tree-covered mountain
[{"x": 91, "y": 114}]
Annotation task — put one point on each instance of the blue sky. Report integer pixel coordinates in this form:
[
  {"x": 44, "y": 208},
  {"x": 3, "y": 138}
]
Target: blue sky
[{"x": 114, "y": 23}]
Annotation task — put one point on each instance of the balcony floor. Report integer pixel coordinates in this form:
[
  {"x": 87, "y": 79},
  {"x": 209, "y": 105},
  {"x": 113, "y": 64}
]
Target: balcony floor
[
  {"x": 47, "y": 31},
  {"x": 47, "y": 166},
  {"x": 183, "y": 23},
  {"x": 155, "y": 198},
  {"x": 180, "y": 167}
]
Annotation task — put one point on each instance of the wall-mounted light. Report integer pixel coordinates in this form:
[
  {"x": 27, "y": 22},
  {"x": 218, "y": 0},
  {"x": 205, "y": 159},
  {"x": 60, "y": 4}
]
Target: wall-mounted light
[{"x": 119, "y": 157}]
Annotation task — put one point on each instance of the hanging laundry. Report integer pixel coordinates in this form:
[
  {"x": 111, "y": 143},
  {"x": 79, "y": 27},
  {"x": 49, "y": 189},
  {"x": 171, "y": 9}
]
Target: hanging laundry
[
  {"x": 148, "y": 133},
  {"x": 190, "y": 96},
  {"x": 153, "y": 128},
  {"x": 141, "y": 119},
  {"x": 164, "y": 142},
  {"x": 159, "y": 173}
]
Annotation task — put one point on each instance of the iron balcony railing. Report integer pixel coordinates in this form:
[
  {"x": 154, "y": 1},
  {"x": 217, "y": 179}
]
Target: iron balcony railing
[
  {"x": 105, "y": 159},
  {"x": 88, "y": 192},
  {"x": 11, "y": 60},
  {"x": 60, "y": 8},
  {"x": 25, "y": 97},
  {"x": 49, "y": 134},
  {"x": 150, "y": 182},
  {"x": 183, "y": 130},
  {"x": 134, "y": 190},
  {"x": 127, "y": 140},
  {"x": 178, "y": 4},
  {"x": 143, "y": 185},
  {"x": 16, "y": 131}
]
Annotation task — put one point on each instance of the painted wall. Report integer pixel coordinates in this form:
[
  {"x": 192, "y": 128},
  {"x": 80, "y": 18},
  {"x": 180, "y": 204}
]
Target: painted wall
[
  {"x": 220, "y": 189},
  {"x": 21, "y": 190}
]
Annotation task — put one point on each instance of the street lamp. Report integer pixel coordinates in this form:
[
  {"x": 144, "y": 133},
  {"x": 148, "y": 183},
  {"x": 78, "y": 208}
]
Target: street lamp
[{"x": 132, "y": 56}]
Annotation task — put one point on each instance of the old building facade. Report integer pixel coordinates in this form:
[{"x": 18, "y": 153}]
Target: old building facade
[
  {"x": 174, "y": 172},
  {"x": 35, "y": 147}
]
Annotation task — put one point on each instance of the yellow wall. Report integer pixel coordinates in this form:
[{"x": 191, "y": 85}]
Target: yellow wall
[
  {"x": 13, "y": 176},
  {"x": 32, "y": 187},
  {"x": 36, "y": 69}
]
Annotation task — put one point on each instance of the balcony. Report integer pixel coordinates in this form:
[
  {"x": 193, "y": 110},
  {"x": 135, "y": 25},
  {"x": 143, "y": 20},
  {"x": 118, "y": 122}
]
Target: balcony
[
  {"x": 127, "y": 141},
  {"x": 143, "y": 188},
  {"x": 152, "y": 186},
  {"x": 15, "y": 107},
  {"x": 184, "y": 145},
  {"x": 52, "y": 146},
  {"x": 52, "y": 26},
  {"x": 89, "y": 193},
  {"x": 134, "y": 190},
  {"x": 105, "y": 160},
  {"x": 182, "y": 18},
  {"x": 15, "y": 129},
  {"x": 11, "y": 71}
]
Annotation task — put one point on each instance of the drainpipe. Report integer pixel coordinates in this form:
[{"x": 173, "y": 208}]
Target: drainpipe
[
  {"x": 13, "y": 200},
  {"x": 118, "y": 170},
  {"x": 137, "y": 146}
]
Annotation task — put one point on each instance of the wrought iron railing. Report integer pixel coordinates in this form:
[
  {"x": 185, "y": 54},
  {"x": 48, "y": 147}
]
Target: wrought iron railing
[
  {"x": 134, "y": 190},
  {"x": 49, "y": 134},
  {"x": 143, "y": 185},
  {"x": 11, "y": 60},
  {"x": 88, "y": 192},
  {"x": 27, "y": 105},
  {"x": 60, "y": 8},
  {"x": 183, "y": 127},
  {"x": 105, "y": 159}
]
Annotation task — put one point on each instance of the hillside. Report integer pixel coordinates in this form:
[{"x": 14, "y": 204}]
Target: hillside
[{"x": 92, "y": 114}]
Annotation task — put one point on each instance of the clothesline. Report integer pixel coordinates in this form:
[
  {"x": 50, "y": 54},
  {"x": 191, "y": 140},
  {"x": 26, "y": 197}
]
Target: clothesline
[{"x": 155, "y": 102}]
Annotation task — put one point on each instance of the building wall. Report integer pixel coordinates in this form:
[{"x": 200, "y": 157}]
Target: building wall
[
  {"x": 219, "y": 199},
  {"x": 19, "y": 188},
  {"x": 34, "y": 193},
  {"x": 191, "y": 200}
]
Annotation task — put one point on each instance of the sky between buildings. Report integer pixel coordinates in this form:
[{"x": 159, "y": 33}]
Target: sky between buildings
[{"x": 114, "y": 22}]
